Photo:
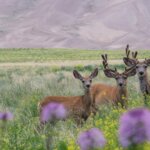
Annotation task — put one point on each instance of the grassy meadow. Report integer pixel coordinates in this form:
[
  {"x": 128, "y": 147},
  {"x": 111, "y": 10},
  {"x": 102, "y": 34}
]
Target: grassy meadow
[
  {"x": 22, "y": 87},
  {"x": 46, "y": 55}
]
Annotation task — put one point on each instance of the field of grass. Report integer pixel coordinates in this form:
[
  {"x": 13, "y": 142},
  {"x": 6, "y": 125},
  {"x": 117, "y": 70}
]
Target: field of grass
[
  {"x": 21, "y": 88},
  {"x": 45, "y": 55}
]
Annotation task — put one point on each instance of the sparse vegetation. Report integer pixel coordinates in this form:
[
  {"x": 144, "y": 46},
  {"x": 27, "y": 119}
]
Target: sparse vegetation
[
  {"x": 21, "y": 88},
  {"x": 45, "y": 55}
]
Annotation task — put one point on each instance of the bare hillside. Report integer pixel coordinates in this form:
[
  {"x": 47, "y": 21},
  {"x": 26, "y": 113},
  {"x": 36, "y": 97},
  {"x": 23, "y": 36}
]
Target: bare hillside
[{"x": 85, "y": 24}]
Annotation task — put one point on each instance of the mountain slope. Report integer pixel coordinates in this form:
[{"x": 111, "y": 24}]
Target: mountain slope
[{"x": 86, "y": 24}]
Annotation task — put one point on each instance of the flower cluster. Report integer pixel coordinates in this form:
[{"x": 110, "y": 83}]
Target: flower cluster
[
  {"x": 6, "y": 116},
  {"x": 91, "y": 139},
  {"x": 53, "y": 111},
  {"x": 134, "y": 127}
]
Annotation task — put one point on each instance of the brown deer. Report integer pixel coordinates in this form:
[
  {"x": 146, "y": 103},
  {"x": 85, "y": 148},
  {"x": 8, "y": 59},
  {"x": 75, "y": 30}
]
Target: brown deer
[
  {"x": 112, "y": 94},
  {"x": 78, "y": 107},
  {"x": 141, "y": 70}
]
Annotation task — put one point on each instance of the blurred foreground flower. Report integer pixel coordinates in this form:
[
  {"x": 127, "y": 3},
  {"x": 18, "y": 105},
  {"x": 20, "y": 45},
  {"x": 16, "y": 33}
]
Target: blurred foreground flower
[
  {"x": 134, "y": 127},
  {"x": 91, "y": 139},
  {"x": 6, "y": 116},
  {"x": 53, "y": 111}
]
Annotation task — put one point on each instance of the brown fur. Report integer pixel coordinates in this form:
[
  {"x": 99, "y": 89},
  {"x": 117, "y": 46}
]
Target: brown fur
[
  {"x": 78, "y": 107},
  {"x": 112, "y": 94},
  {"x": 75, "y": 105},
  {"x": 108, "y": 94}
]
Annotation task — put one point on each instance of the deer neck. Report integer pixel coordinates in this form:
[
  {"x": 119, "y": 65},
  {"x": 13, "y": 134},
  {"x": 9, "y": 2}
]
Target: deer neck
[
  {"x": 87, "y": 98},
  {"x": 122, "y": 92},
  {"x": 144, "y": 84}
]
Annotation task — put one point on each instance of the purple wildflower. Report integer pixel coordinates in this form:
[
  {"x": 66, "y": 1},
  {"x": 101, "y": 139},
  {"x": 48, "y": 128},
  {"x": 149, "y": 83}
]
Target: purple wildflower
[
  {"x": 53, "y": 111},
  {"x": 91, "y": 139},
  {"x": 6, "y": 116},
  {"x": 134, "y": 127}
]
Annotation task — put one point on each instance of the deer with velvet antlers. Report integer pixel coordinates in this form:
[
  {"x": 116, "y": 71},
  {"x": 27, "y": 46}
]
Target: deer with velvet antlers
[
  {"x": 78, "y": 107},
  {"x": 141, "y": 70},
  {"x": 112, "y": 94}
]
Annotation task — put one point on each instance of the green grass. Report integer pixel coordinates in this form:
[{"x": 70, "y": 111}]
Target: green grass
[
  {"x": 45, "y": 55},
  {"x": 22, "y": 88}
]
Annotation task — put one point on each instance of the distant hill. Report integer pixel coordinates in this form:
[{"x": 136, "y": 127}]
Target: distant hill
[{"x": 84, "y": 24}]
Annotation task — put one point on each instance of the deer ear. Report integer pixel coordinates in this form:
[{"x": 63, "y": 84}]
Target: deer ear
[
  {"x": 109, "y": 73},
  {"x": 129, "y": 62},
  {"x": 94, "y": 73},
  {"x": 147, "y": 61},
  {"x": 77, "y": 75}
]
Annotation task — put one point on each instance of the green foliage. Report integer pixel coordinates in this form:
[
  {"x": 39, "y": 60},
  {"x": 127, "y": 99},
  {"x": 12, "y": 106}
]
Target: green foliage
[
  {"x": 22, "y": 88},
  {"x": 45, "y": 55},
  {"x": 62, "y": 146}
]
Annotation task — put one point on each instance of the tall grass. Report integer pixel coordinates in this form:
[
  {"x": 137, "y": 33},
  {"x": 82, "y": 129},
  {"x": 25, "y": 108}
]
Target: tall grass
[{"x": 22, "y": 88}]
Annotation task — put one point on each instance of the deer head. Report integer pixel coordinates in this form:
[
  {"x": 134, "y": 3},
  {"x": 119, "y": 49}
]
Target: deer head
[
  {"x": 140, "y": 67},
  {"x": 121, "y": 78},
  {"x": 86, "y": 81}
]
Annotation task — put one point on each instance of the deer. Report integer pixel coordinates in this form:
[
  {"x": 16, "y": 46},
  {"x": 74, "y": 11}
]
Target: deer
[
  {"x": 78, "y": 107},
  {"x": 103, "y": 93},
  {"x": 141, "y": 70}
]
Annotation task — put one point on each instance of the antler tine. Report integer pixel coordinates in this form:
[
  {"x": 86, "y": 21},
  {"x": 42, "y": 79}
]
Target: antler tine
[
  {"x": 105, "y": 64},
  {"x": 130, "y": 59},
  {"x": 134, "y": 54},
  {"x": 106, "y": 57},
  {"x": 127, "y": 47},
  {"x": 127, "y": 70},
  {"x": 103, "y": 57},
  {"x": 127, "y": 50}
]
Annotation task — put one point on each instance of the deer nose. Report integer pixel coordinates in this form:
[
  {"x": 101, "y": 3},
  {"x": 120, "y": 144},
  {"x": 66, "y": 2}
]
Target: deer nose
[
  {"x": 87, "y": 85},
  {"x": 120, "y": 84},
  {"x": 141, "y": 73}
]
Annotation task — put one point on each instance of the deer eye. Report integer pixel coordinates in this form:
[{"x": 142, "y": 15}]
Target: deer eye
[
  {"x": 90, "y": 80},
  {"x": 145, "y": 67},
  {"x": 83, "y": 81},
  {"x": 137, "y": 67},
  {"x": 125, "y": 77}
]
